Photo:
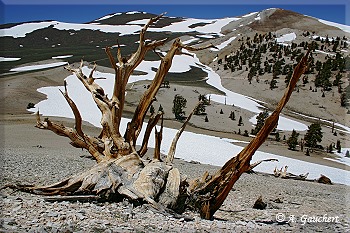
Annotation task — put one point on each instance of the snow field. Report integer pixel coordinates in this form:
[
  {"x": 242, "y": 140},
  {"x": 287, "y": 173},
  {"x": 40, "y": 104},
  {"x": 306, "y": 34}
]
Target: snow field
[{"x": 191, "y": 146}]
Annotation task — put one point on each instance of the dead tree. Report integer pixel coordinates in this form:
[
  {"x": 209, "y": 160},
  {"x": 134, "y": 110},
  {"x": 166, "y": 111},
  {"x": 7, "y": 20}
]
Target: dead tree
[{"x": 121, "y": 172}]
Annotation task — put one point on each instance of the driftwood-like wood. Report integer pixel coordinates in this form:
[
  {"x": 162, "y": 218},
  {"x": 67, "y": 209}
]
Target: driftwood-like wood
[
  {"x": 120, "y": 171},
  {"x": 282, "y": 173}
]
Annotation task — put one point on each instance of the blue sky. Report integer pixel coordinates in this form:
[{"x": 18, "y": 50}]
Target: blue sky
[{"x": 74, "y": 11}]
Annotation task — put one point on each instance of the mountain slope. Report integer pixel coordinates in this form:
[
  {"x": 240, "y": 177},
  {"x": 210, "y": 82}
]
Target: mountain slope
[{"x": 52, "y": 40}]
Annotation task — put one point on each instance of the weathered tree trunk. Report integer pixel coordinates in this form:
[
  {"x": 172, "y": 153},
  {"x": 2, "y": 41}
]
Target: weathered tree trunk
[{"x": 120, "y": 171}]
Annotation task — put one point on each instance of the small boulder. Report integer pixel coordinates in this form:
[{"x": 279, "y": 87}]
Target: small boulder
[
  {"x": 324, "y": 180},
  {"x": 259, "y": 204}
]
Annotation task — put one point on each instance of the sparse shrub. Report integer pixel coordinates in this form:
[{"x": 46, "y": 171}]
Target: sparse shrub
[
  {"x": 246, "y": 134},
  {"x": 30, "y": 105},
  {"x": 293, "y": 140}
]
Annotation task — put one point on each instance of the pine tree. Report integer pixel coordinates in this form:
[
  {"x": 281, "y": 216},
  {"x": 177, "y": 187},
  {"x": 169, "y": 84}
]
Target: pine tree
[
  {"x": 260, "y": 120},
  {"x": 160, "y": 109},
  {"x": 232, "y": 116},
  {"x": 152, "y": 110},
  {"x": 206, "y": 119},
  {"x": 179, "y": 104},
  {"x": 343, "y": 99},
  {"x": 240, "y": 121},
  {"x": 246, "y": 134},
  {"x": 273, "y": 84},
  {"x": 204, "y": 99},
  {"x": 330, "y": 148},
  {"x": 313, "y": 135},
  {"x": 347, "y": 154},
  {"x": 200, "y": 109},
  {"x": 277, "y": 137},
  {"x": 338, "y": 146},
  {"x": 293, "y": 140},
  {"x": 307, "y": 152}
]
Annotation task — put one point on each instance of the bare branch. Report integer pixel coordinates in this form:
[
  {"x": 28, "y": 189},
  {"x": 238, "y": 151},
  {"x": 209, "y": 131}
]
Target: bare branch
[
  {"x": 252, "y": 166},
  {"x": 193, "y": 49},
  {"x": 134, "y": 127},
  {"x": 119, "y": 54},
  {"x": 159, "y": 137},
  {"x": 77, "y": 116},
  {"x": 111, "y": 58},
  {"x": 222, "y": 182},
  {"x": 153, "y": 120},
  {"x": 171, "y": 153},
  {"x": 90, "y": 144}
]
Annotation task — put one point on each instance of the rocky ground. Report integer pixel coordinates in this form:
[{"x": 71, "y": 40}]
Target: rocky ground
[{"x": 40, "y": 157}]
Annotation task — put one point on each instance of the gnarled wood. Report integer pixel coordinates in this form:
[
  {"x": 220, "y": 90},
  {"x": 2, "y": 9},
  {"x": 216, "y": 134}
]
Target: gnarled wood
[
  {"x": 209, "y": 197},
  {"x": 120, "y": 171},
  {"x": 153, "y": 120},
  {"x": 171, "y": 153}
]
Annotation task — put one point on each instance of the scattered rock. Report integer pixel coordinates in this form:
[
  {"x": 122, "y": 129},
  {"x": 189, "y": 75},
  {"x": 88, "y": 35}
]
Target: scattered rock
[
  {"x": 259, "y": 204},
  {"x": 278, "y": 200},
  {"x": 324, "y": 180}
]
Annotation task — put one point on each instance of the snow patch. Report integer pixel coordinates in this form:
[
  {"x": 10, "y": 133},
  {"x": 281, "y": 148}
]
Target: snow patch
[
  {"x": 286, "y": 37},
  {"x": 202, "y": 148},
  {"x": 190, "y": 40},
  {"x": 206, "y": 36},
  {"x": 134, "y": 12},
  {"x": 9, "y": 59},
  {"x": 140, "y": 21},
  {"x": 343, "y": 27},
  {"x": 250, "y": 14},
  {"x": 38, "y": 67},
  {"x": 108, "y": 16},
  {"x": 223, "y": 44},
  {"x": 62, "y": 56},
  {"x": 23, "y": 29},
  {"x": 285, "y": 124}
]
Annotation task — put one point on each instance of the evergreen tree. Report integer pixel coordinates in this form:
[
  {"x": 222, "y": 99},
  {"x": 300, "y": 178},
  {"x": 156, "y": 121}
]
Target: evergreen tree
[
  {"x": 232, "y": 116},
  {"x": 337, "y": 79},
  {"x": 293, "y": 140},
  {"x": 246, "y": 134},
  {"x": 313, "y": 135},
  {"x": 277, "y": 137},
  {"x": 200, "y": 109},
  {"x": 273, "y": 84},
  {"x": 330, "y": 148},
  {"x": 338, "y": 146},
  {"x": 343, "y": 99},
  {"x": 260, "y": 120},
  {"x": 152, "y": 110},
  {"x": 206, "y": 119},
  {"x": 160, "y": 109},
  {"x": 347, "y": 154},
  {"x": 204, "y": 99},
  {"x": 179, "y": 103},
  {"x": 307, "y": 152},
  {"x": 240, "y": 121}
]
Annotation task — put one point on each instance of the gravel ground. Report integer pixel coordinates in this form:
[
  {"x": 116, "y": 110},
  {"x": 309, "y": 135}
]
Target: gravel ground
[{"x": 24, "y": 160}]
